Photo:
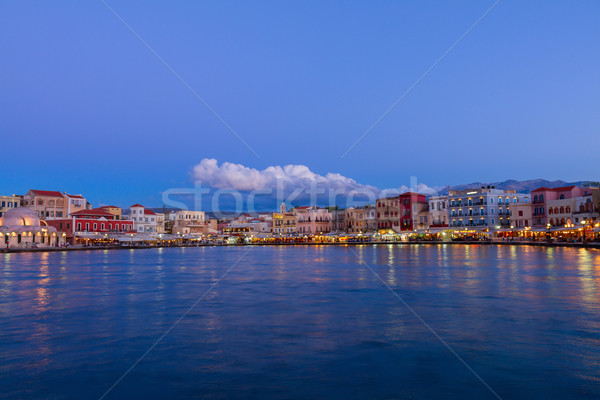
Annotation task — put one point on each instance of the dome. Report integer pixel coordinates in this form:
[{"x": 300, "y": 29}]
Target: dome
[{"x": 20, "y": 216}]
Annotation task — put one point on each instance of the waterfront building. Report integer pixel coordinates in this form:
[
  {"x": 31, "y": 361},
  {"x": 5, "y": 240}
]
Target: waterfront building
[
  {"x": 438, "y": 211},
  {"x": 114, "y": 210},
  {"x": 388, "y": 210},
  {"x": 21, "y": 228},
  {"x": 412, "y": 206},
  {"x": 246, "y": 226},
  {"x": 546, "y": 204},
  {"x": 520, "y": 211},
  {"x": 9, "y": 202},
  {"x": 89, "y": 223},
  {"x": 312, "y": 220},
  {"x": 371, "y": 217},
  {"x": 338, "y": 220},
  {"x": 74, "y": 203},
  {"x": 52, "y": 204},
  {"x": 185, "y": 221},
  {"x": 586, "y": 209},
  {"x": 487, "y": 207},
  {"x": 401, "y": 213},
  {"x": 284, "y": 223},
  {"x": 355, "y": 220},
  {"x": 144, "y": 220},
  {"x": 46, "y": 204}
]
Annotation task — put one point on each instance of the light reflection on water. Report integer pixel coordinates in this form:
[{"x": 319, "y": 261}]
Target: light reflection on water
[{"x": 302, "y": 322}]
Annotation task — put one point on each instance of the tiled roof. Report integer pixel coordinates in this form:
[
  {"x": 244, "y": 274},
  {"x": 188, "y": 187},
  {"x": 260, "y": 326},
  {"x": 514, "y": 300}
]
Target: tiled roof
[
  {"x": 52, "y": 193},
  {"x": 109, "y": 207},
  {"x": 136, "y": 205},
  {"x": 149, "y": 212},
  {"x": 75, "y": 196},
  {"x": 95, "y": 212},
  {"x": 558, "y": 189}
]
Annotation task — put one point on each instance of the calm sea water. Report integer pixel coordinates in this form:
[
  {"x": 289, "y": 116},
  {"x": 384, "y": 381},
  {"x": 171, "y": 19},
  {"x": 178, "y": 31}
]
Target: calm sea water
[{"x": 302, "y": 322}]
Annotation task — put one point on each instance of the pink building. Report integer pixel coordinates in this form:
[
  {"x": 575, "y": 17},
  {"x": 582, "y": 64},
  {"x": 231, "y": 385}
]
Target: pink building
[
  {"x": 312, "y": 220},
  {"x": 545, "y": 200}
]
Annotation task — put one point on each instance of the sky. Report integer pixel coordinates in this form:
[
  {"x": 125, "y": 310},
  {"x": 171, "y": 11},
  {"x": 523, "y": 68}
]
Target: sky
[{"x": 122, "y": 101}]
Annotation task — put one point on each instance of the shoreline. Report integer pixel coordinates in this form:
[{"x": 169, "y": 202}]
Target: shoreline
[{"x": 593, "y": 245}]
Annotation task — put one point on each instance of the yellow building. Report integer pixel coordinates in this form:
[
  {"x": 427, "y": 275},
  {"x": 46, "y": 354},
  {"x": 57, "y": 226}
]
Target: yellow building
[
  {"x": 8, "y": 203},
  {"x": 114, "y": 210}
]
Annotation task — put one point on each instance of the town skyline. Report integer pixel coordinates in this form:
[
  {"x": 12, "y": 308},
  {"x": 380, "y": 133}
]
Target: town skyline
[{"x": 514, "y": 94}]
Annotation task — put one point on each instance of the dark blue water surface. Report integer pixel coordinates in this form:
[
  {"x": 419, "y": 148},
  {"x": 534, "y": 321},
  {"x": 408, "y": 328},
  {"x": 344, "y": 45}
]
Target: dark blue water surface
[{"x": 302, "y": 322}]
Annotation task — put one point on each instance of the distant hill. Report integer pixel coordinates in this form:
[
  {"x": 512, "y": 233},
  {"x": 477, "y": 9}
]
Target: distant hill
[{"x": 522, "y": 186}]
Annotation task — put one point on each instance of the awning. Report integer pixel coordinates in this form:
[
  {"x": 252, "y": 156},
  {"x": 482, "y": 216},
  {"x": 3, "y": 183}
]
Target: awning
[{"x": 563, "y": 229}]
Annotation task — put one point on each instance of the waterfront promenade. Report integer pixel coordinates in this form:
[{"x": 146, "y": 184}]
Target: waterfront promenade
[{"x": 587, "y": 245}]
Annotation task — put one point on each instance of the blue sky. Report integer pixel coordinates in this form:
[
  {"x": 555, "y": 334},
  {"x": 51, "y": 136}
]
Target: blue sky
[{"x": 86, "y": 108}]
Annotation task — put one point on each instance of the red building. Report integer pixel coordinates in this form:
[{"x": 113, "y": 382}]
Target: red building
[
  {"x": 411, "y": 204},
  {"x": 400, "y": 212},
  {"x": 96, "y": 220}
]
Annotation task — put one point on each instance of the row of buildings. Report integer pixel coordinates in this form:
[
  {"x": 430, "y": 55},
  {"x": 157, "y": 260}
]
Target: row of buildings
[
  {"x": 484, "y": 208},
  {"x": 73, "y": 218}
]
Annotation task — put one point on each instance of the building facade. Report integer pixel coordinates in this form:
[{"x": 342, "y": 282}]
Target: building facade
[
  {"x": 20, "y": 227},
  {"x": 312, "y": 220},
  {"x": 485, "y": 207},
  {"x": 520, "y": 211},
  {"x": 546, "y": 204},
  {"x": 8, "y": 203},
  {"x": 144, "y": 220},
  {"x": 355, "y": 220},
  {"x": 439, "y": 216}
]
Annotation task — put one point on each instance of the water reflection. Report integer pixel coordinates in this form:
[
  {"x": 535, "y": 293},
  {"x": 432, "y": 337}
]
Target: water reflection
[{"x": 523, "y": 317}]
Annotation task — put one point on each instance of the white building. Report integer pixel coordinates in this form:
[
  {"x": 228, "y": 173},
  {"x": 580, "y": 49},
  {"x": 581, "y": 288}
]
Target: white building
[
  {"x": 185, "y": 221},
  {"x": 145, "y": 220},
  {"x": 371, "y": 217},
  {"x": 485, "y": 207},
  {"x": 438, "y": 211}
]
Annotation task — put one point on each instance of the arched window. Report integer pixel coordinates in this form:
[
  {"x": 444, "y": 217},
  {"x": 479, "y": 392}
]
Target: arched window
[
  {"x": 568, "y": 209},
  {"x": 19, "y": 238},
  {"x": 562, "y": 221},
  {"x": 550, "y": 211},
  {"x": 535, "y": 198},
  {"x": 551, "y": 221},
  {"x": 555, "y": 210},
  {"x": 541, "y": 197},
  {"x": 562, "y": 210}
]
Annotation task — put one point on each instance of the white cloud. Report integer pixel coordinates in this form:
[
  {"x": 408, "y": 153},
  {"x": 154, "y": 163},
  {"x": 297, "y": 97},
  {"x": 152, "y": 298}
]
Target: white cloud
[{"x": 288, "y": 179}]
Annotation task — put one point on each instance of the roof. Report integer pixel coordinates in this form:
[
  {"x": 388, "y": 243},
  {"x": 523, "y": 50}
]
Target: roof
[
  {"x": 558, "y": 189},
  {"x": 75, "y": 196},
  {"x": 136, "y": 205},
  {"x": 109, "y": 207},
  {"x": 95, "y": 212},
  {"x": 52, "y": 193},
  {"x": 149, "y": 212},
  {"x": 412, "y": 194}
]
